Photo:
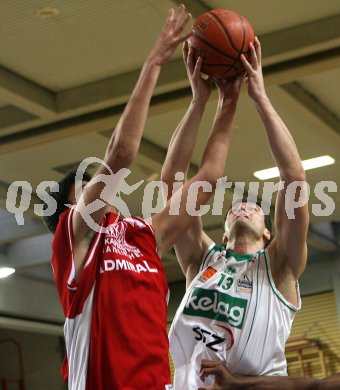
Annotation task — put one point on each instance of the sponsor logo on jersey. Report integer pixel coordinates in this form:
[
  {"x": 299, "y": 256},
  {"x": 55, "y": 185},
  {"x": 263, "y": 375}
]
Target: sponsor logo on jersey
[
  {"x": 244, "y": 284},
  {"x": 116, "y": 232},
  {"x": 115, "y": 241},
  {"x": 214, "y": 339},
  {"x": 125, "y": 265},
  {"x": 217, "y": 306},
  {"x": 207, "y": 274}
]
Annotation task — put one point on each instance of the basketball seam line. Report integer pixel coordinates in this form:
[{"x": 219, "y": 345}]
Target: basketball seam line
[
  {"x": 228, "y": 35},
  {"x": 211, "y": 46},
  {"x": 232, "y": 65},
  {"x": 225, "y": 30}
]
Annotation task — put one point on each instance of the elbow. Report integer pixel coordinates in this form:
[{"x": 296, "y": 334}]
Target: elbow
[
  {"x": 171, "y": 169},
  {"x": 168, "y": 182},
  {"x": 166, "y": 177},
  {"x": 300, "y": 174},
  {"x": 122, "y": 152},
  {"x": 295, "y": 175},
  {"x": 208, "y": 175}
]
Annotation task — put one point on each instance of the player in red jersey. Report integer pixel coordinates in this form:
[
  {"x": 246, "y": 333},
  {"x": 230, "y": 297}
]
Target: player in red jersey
[{"x": 112, "y": 284}]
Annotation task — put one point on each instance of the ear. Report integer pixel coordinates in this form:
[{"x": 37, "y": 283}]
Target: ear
[
  {"x": 266, "y": 234},
  {"x": 224, "y": 239},
  {"x": 225, "y": 233}
]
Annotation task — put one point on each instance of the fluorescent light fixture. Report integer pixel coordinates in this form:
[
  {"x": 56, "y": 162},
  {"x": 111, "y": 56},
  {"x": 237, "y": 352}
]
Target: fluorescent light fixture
[
  {"x": 267, "y": 173},
  {"x": 311, "y": 163},
  {"x": 318, "y": 162},
  {"x": 6, "y": 271}
]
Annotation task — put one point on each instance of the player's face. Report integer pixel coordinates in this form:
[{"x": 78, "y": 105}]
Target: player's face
[{"x": 245, "y": 215}]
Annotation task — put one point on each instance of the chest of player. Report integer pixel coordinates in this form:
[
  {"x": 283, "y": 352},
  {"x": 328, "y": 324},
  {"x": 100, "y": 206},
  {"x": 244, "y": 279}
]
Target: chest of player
[
  {"x": 223, "y": 291},
  {"x": 129, "y": 250},
  {"x": 230, "y": 275}
]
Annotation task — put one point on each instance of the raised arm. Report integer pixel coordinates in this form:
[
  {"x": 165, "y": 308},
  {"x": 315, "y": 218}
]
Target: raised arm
[
  {"x": 225, "y": 381},
  {"x": 288, "y": 250},
  {"x": 184, "y": 138},
  {"x": 169, "y": 228},
  {"x": 192, "y": 244},
  {"x": 124, "y": 143}
]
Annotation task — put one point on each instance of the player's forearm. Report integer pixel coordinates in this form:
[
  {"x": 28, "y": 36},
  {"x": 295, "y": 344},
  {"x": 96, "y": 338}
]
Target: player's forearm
[
  {"x": 196, "y": 191},
  {"x": 329, "y": 383},
  {"x": 182, "y": 143},
  {"x": 285, "y": 383},
  {"x": 275, "y": 383},
  {"x": 216, "y": 152},
  {"x": 128, "y": 133},
  {"x": 281, "y": 142}
]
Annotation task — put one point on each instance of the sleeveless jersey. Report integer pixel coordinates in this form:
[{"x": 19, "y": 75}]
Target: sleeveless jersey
[
  {"x": 232, "y": 313},
  {"x": 116, "y": 314}
]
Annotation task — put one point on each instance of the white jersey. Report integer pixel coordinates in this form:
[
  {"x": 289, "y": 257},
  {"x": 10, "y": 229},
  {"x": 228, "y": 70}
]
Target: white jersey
[{"x": 233, "y": 313}]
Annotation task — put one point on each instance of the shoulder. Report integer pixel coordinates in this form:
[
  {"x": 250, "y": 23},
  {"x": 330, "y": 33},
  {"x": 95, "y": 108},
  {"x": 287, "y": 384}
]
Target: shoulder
[
  {"x": 64, "y": 226},
  {"x": 213, "y": 252},
  {"x": 138, "y": 223},
  {"x": 213, "y": 249}
]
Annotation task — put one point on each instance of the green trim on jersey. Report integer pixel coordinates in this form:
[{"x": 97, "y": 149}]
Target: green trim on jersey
[
  {"x": 245, "y": 257},
  {"x": 276, "y": 291},
  {"x": 221, "y": 248},
  {"x": 213, "y": 248}
]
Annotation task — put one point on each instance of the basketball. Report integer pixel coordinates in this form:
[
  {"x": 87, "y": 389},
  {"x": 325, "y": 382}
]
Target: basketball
[{"x": 220, "y": 37}]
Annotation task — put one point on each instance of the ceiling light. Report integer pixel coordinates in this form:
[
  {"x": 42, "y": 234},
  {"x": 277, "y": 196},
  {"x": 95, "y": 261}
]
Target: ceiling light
[
  {"x": 311, "y": 163},
  {"x": 318, "y": 162},
  {"x": 6, "y": 271},
  {"x": 47, "y": 12}
]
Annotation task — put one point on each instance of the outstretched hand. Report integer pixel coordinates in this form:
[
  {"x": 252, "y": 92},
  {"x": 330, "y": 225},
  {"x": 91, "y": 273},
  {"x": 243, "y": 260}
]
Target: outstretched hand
[
  {"x": 254, "y": 77},
  {"x": 201, "y": 87},
  {"x": 229, "y": 89},
  {"x": 223, "y": 378},
  {"x": 170, "y": 37}
]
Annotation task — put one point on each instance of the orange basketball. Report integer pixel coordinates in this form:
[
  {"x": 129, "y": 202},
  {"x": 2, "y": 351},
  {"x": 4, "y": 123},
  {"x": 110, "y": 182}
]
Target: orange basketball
[{"x": 220, "y": 37}]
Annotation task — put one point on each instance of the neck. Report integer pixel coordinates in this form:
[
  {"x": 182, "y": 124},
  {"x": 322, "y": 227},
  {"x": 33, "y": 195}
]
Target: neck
[{"x": 242, "y": 246}]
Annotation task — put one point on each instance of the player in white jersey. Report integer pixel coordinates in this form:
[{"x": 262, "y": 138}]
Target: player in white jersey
[{"x": 242, "y": 296}]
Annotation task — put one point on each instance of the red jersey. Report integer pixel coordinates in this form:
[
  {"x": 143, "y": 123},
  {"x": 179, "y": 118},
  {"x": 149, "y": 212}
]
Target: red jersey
[{"x": 116, "y": 314}]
